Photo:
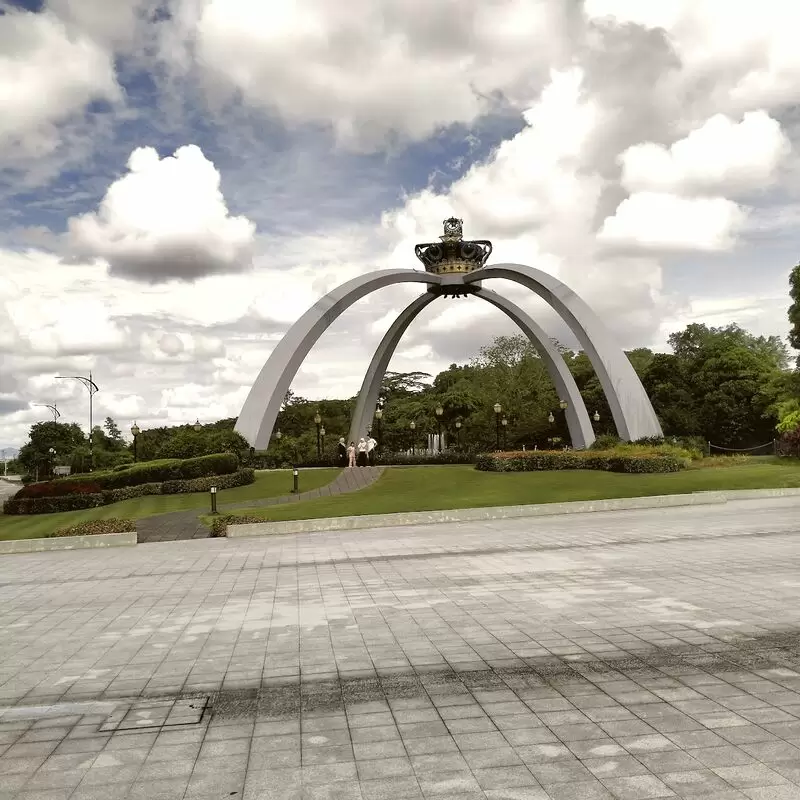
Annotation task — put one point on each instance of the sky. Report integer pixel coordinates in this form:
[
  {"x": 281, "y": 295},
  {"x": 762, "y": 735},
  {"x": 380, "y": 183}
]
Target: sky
[{"x": 181, "y": 179}]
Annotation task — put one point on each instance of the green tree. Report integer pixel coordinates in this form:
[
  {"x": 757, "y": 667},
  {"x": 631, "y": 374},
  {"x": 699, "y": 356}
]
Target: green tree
[
  {"x": 113, "y": 434},
  {"x": 794, "y": 310},
  {"x": 64, "y": 438}
]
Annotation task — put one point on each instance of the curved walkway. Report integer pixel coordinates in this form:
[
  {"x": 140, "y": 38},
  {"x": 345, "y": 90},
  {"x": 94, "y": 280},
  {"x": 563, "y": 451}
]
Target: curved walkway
[{"x": 186, "y": 525}]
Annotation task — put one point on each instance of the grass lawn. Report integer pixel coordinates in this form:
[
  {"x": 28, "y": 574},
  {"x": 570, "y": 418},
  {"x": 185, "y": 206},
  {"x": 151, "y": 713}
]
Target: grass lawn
[
  {"x": 267, "y": 484},
  {"x": 446, "y": 487}
]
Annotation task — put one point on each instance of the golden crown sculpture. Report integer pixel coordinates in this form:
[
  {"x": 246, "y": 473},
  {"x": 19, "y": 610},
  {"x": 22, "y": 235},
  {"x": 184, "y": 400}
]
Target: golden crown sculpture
[{"x": 453, "y": 255}]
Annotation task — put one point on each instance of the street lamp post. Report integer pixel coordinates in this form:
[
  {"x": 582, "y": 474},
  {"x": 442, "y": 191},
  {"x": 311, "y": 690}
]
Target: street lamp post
[
  {"x": 413, "y": 426},
  {"x": 197, "y": 426},
  {"x": 92, "y": 388},
  {"x": 322, "y": 436},
  {"x": 52, "y": 462},
  {"x": 439, "y": 412},
  {"x": 378, "y": 418},
  {"x": 458, "y": 434},
  {"x": 53, "y": 410},
  {"x": 135, "y": 434},
  {"x": 498, "y": 409},
  {"x": 504, "y": 422},
  {"x": 318, "y": 423}
]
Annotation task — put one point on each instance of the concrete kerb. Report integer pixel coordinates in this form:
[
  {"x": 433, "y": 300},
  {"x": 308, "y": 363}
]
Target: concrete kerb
[
  {"x": 499, "y": 512},
  {"x": 17, "y": 546}
]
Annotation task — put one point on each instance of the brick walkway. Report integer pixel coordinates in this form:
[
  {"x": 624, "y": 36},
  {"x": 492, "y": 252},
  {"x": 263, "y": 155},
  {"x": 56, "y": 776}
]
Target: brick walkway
[
  {"x": 584, "y": 658},
  {"x": 179, "y": 525}
]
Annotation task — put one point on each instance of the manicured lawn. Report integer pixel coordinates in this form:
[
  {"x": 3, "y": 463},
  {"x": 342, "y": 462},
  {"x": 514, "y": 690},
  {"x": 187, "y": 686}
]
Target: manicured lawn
[
  {"x": 267, "y": 484},
  {"x": 447, "y": 487}
]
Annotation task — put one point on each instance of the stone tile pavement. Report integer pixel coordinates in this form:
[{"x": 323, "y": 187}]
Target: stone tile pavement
[
  {"x": 179, "y": 525},
  {"x": 630, "y": 655}
]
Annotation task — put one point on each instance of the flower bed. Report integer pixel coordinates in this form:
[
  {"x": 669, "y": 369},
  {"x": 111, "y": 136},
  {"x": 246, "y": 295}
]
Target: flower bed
[
  {"x": 628, "y": 460},
  {"x": 74, "y": 502}
]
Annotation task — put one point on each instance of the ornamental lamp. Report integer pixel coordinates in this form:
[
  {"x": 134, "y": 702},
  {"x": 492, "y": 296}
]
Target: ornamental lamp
[
  {"x": 317, "y": 418},
  {"x": 551, "y": 418},
  {"x": 563, "y": 404},
  {"x": 197, "y": 426},
  {"x": 378, "y": 413},
  {"x": 596, "y": 416},
  {"x": 439, "y": 411},
  {"x": 497, "y": 408},
  {"x": 135, "y": 429}
]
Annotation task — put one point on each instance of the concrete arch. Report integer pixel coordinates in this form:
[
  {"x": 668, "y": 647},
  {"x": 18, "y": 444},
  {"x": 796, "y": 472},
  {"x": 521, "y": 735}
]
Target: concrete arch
[
  {"x": 578, "y": 422},
  {"x": 260, "y": 410},
  {"x": 361, "y": 421},
  {"x": 630, "y": 406}
]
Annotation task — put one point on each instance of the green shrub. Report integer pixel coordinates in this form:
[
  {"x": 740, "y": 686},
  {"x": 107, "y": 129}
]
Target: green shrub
[
  {"x": 219, "y": 524},
  {"x": 242, "y": 477},
  {"x": 605, "y": 441},
  {"x": 74, "y": 502},
  {"x": 97, "y": 526},
  {"x": 136, "y": 475},
  {"x": 634, "y": 461},
  {"x": 409, "y": 459}
]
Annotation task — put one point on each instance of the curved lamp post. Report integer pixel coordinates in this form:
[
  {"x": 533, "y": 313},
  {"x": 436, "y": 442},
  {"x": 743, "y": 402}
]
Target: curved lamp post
[
  {"x": 439, "y": 412},
  {"x": 135, "y": 433},
  {"x": 498, "y": 409},
  {"x": 92, "y": 388}
]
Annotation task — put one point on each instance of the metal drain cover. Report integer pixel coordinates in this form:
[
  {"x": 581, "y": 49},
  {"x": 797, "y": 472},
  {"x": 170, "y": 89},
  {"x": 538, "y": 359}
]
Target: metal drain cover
[{"x": 148, "y": 714}]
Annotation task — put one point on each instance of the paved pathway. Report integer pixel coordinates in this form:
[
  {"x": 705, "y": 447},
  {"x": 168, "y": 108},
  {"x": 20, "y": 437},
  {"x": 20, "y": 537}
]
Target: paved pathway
[
  {"x": 185, "y": 524},
  {"x": 629, "y": 655}
]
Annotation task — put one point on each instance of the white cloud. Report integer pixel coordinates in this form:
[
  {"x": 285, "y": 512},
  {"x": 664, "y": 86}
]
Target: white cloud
[
  {"x": 372, "y": 69},
  {"x": 664, "y": 222},
  {"x": 47, "y": 75},
  {"x": 166, "y": 219},
  {"x": 721, "y": 156}
]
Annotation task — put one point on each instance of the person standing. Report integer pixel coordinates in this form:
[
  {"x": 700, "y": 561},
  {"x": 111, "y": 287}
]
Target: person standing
[
  {"x": 371, "y": 445},
  {"x": 362, "y": 452},
  {"x": 342, "y": 451},
  {"x": 351, "y": 455}
]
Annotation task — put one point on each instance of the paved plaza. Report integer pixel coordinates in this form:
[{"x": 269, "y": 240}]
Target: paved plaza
[{"x": 630, "y": 655}]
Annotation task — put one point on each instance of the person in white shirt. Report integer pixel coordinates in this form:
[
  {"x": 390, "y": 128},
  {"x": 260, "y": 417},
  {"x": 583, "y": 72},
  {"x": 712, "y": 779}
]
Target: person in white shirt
[
  {"x": 362, "y": 452},
  {"x": 351, "y": 455},
  {"x": 371, "y": 445}
]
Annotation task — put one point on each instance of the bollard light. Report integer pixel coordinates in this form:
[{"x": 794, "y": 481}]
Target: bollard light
[{"x": 213, "y": 499}]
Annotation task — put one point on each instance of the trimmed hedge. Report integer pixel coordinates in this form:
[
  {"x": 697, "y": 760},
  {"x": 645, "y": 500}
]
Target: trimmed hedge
[
  {"x": 175, "y": 469},
  {"x": 97, "y": 526},
  {"x": 608, "y": 460},
  {"x": 219, "y": 524},
  {"x": 75, "y": 502}
]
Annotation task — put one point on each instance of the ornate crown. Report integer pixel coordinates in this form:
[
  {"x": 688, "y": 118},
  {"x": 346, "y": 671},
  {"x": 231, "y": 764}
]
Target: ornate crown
[{"x": 453, "y": 255}]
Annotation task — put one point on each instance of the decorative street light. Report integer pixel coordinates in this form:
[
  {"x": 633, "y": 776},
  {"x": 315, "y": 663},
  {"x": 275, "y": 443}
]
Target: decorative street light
[
  {"x": 550, "y": 418},
  {"x": 278, "y": 435},
  {"x": 504, "y": 422},
  {"x": 596, "y": 416},
  {"x": 197, "y": 426},
  {"x": 439, "y": 412},
  {"x": 563, "y": 405},
  {"x": 322, "y": 436},
  {"x": 135, "y": 433},
  {"x": 378, "y": 418},
  {"x": 498, "y": 409},
  {"x": 92, "y": 388},
  {"x": 458, "y": 434},
  {"x": 318, "y": 423},
  {"x": 413, "y": 426},
  {"x": 52, "y": 461},
  {"x": 53, "y": 410}
]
